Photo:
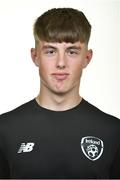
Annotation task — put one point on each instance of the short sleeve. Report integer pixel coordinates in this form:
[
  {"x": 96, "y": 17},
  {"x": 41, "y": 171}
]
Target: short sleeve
[
  {"x": 115, "y": 168},
  {"x": 4, "y": 169}
]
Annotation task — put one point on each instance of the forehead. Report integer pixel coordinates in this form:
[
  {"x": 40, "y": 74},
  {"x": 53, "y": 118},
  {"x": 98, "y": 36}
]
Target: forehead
[{"x": 61, "y": 45}]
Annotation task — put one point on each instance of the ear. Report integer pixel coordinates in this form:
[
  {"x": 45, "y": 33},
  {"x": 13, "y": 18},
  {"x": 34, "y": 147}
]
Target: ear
[
  {"x": 88, "y": 58},
  {"x": 34, "y": 56}
]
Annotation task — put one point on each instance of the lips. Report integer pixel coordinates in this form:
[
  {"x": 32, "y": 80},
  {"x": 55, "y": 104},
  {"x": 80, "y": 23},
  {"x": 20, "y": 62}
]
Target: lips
[{"x": 60, "y": 76}]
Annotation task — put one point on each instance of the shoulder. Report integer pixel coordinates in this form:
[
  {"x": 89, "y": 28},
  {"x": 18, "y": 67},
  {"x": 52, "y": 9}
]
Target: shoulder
[
  {"x": 17, "y": 112},
  {"x": 96, "y": 113}
]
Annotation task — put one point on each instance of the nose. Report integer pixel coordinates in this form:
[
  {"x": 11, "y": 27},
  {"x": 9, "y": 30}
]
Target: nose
[{"x": 61, "y": 61}]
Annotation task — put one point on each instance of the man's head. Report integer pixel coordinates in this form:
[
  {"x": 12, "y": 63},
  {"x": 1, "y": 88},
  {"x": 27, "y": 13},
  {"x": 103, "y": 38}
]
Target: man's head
[
  {"x": 62, "y": 25},
  {"x": 61, "y": 48}
]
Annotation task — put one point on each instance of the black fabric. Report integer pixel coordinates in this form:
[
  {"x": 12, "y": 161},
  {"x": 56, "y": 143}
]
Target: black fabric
[{"x": 39, "y": 143}]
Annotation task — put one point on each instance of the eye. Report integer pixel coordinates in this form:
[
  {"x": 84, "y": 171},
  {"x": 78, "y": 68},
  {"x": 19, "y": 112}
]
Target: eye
[
  {"x": 73, "y": 52},
  {"x": 50, "y": 51}
]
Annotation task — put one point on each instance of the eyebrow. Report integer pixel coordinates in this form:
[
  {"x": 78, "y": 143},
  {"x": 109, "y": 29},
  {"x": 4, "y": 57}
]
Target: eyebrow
[
  {"x": 74, "y": 47},
  {"x": 47, "y": 47}
]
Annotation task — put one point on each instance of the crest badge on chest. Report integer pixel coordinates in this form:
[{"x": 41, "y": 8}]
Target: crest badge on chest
[{"x": 92, "y": 147}]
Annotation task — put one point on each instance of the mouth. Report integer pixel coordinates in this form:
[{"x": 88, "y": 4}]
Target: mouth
[{"x": 60, "y": 76}]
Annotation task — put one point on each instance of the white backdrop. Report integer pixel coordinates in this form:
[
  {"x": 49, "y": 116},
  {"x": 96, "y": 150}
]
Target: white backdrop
[{"x": 19, "y": 79}]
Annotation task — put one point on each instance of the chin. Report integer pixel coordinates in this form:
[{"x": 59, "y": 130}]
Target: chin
[{"x": 60, "y": 92}]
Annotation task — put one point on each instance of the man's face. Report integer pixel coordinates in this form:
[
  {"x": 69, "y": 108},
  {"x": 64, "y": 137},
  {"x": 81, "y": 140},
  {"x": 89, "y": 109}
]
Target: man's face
[{"x": 60, "y": 64}]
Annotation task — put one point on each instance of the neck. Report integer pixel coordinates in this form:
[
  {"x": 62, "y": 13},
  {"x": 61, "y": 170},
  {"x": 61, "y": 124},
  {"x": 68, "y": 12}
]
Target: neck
[{"x": 58, "y": 102}]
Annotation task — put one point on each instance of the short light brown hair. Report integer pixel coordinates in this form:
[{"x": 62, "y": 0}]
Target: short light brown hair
[{"x": 62, "y": 25}]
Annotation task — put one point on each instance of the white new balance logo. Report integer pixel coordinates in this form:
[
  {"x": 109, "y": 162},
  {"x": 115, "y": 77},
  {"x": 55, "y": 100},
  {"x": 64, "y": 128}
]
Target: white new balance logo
[{"x": 28, "y": 147}]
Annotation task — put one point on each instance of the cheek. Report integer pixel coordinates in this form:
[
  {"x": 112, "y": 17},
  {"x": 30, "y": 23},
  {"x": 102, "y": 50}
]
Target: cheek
[
  {"x": 77, "y": 72},
  {"x": 76, "y": 67},
  {"x": 42, "y": 68},
  {"x": 45, "y": 68}
]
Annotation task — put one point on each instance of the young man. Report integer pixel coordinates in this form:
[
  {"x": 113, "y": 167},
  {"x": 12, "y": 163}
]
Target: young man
[{"x": 59, "y": 134}]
